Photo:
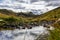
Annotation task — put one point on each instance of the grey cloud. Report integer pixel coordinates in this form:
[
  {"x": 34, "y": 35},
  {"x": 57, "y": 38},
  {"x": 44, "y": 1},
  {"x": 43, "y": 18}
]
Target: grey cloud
[
  {"x": 53, "y": 3},
  {"x": 34, "y": 1},
  {"x": 21, "y": 1},
  {"x": 43, "y": 0},
  {"x": 14, "y": 7},
  {"x": 30, "y": 1},
  {"x": 49, "y": 0},
  {"x": 21, "y": 6}
]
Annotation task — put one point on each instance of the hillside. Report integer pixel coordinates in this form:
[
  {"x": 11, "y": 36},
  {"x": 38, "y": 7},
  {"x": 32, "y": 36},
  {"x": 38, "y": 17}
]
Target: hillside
[
  {"x": 51, "y": 15},
  {"x": 10, "y": 19},
  {"x": 47, "y": 18},
  {"x": 10, "y": 12},
  {"x": 28, "y": 18}
]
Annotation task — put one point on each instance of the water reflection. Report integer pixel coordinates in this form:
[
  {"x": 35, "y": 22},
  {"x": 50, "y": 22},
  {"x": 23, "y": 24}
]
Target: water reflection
[{"x": 23, "y": 34}]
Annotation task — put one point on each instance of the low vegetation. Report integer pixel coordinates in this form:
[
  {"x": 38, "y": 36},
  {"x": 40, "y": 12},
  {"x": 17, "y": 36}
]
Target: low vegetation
[
  {"x": 10, "y": 17},
  {"x": 53, "y": 15},
  {"x": 55, "y": 34}
]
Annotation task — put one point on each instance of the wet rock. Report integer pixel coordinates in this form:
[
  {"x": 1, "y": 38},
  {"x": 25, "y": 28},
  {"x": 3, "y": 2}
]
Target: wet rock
[
  {"x": 23, "y": 27},
  {"x": 29, "y": 27}
]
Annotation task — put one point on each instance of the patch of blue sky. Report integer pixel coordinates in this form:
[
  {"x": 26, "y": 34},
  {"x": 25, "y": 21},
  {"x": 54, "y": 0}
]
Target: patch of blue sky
[{"x": 1, "y": 1}]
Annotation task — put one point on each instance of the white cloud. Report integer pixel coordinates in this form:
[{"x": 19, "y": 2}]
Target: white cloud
[
  {"x": 39, "y": 3},
  {"x": 26, "y": 5}
]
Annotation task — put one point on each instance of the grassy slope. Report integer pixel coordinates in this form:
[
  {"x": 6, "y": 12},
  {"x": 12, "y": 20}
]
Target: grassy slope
[
  {"x": 51, "y": 15},
  {"x": 55, "y": 34},
  {"x": 8, "y": 13}
]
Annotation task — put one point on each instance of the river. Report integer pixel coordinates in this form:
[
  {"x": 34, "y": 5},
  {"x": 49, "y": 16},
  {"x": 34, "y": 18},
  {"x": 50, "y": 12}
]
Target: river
[{"x": 23, "y": 34}]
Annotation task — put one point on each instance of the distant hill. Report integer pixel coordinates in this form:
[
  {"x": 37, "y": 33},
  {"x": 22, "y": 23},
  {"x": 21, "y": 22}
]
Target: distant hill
[
  {"x": 5, "y": 11},
  {"x": 51, "y": 15},
  {"x": 10, "y": 12},
  {"x": 28, "y": 17},
  {"x": 53, "y": 18}
]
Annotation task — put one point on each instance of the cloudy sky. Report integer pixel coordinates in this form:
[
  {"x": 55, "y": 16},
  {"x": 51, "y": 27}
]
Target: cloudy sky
[{"x": 29, "y": 5}]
